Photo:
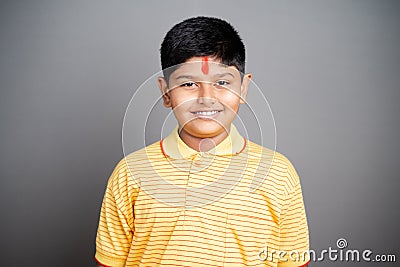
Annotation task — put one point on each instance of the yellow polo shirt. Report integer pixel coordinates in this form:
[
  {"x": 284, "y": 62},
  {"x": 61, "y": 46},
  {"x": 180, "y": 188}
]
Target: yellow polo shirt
[{"x": 239, "y": 204}]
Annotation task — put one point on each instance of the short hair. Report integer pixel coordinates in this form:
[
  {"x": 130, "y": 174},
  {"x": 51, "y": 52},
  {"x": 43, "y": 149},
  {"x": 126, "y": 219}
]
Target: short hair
[{"x": 202, "y": 36}]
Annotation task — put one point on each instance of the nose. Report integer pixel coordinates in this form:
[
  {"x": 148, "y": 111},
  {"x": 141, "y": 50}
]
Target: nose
[{"x": 206, "y": 94}]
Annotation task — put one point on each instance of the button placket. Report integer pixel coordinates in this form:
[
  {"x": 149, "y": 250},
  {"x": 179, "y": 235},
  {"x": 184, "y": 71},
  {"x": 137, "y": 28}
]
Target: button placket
[
  {"x": 192, "y": 159},
  {"x": 197, "y": 162}
]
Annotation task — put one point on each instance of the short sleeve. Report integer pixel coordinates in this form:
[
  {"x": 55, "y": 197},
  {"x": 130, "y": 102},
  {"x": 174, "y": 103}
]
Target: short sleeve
[
  {"x": 116, "y": 224},
  {"x": 294, "y": 237}
]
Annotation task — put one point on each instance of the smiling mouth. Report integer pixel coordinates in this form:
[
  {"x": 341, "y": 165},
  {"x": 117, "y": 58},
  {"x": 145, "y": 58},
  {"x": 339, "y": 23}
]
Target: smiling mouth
[{"x": 206, "y": 114}]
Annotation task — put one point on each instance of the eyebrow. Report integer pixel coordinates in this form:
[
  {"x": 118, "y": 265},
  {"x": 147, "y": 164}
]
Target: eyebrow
[
  {"x": 219, "y": 75},
  {"x": 184, "y": 77},
  {"x": 225, "y": 74}
]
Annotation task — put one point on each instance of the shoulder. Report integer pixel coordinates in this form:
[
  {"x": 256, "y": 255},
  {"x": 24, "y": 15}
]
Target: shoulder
[
  {"x": 278, "y": 166},
  {"x": 125, "y": 171},
  {"x": 257, "y": 151},
  {"x": 145, "y": 153}
]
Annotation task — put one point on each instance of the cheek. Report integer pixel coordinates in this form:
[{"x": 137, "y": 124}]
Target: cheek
[
  {"x": 181, "y": 105},
  {"x": 231, "y": 101},
  {"x": 180, "y": 100}
]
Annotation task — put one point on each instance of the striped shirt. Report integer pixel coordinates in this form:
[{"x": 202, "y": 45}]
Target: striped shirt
[{"x": 238, "y": 204}]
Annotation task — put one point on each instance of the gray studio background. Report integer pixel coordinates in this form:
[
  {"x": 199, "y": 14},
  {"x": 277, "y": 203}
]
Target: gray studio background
[{"x": 329, "y": 69}]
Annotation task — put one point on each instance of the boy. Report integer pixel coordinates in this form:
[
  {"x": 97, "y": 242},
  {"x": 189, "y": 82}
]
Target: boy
[{"x": 189, "y": 200}]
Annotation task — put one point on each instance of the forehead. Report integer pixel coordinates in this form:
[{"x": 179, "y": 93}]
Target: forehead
[{"x": 204, "y": 67}]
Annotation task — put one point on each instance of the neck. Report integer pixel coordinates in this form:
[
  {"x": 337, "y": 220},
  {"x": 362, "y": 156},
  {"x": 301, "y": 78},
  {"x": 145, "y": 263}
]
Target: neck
[{"x": 202, "y": 144}]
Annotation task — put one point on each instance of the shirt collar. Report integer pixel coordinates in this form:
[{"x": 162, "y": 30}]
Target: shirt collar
[{"x": 174, "y": 147}]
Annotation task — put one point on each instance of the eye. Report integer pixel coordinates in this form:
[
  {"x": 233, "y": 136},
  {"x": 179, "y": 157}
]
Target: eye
[
  {"x": 189, "y": 84},
  {"x": 222, "y": 83}
]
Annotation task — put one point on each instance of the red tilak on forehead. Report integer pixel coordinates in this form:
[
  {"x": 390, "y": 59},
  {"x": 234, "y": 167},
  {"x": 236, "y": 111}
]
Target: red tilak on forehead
[{"x": 204, "y": 65}]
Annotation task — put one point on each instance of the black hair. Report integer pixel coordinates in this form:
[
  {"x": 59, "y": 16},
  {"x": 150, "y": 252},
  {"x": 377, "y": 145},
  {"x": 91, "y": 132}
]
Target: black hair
[{"x": 202, "y": 36}]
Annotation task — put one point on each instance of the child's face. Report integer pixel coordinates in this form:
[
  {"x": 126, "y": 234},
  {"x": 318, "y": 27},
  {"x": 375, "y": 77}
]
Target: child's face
[{"x": 205, "y": 95}]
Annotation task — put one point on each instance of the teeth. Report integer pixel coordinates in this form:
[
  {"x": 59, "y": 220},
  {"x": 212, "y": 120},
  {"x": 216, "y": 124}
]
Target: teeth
[{"x": 207, "y": 113}]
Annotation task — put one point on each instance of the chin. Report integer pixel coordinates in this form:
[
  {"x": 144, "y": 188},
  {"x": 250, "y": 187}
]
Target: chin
[{"x": 205, "y": 130}]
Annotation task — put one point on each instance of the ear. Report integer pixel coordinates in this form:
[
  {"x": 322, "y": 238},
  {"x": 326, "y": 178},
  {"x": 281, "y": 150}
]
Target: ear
[
  {"x": 162, "y": 84},
  {"x": 245, "y": 87}
]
